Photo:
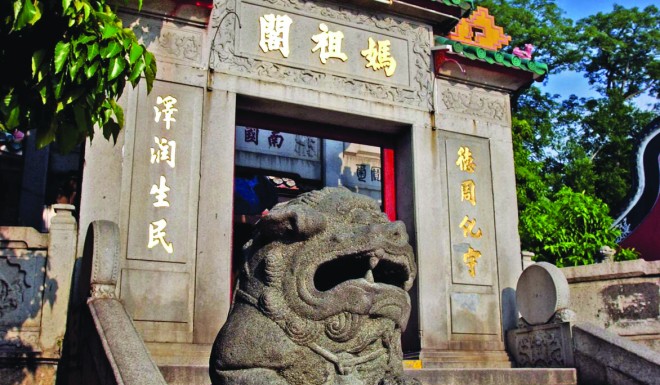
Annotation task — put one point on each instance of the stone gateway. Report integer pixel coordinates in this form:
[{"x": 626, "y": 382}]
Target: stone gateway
[{"x": 322, "y": 297}]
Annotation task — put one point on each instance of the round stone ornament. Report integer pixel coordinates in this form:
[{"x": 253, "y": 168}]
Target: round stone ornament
[{"x": 542, "y": 290}]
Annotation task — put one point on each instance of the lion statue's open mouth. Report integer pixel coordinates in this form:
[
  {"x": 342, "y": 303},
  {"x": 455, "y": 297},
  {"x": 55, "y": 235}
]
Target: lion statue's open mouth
[{"x": 322, "y": 297}]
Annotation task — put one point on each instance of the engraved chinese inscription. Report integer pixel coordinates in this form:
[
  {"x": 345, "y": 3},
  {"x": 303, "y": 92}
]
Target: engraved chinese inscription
[
  {"x": 379, "y": 56},
  {"x": 329, "y": 44},
  {"x": 465, "y": 162},
  {"x": 165, "y": 152},
  {"x": 274, "y": 33}
]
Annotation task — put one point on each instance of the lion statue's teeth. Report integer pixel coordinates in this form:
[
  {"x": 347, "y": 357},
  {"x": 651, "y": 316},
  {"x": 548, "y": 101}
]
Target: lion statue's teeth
[{"x": 369, "y": 276}]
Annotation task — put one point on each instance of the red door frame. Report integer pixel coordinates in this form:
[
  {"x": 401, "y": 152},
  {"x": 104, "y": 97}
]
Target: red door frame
[{"x": 389, "y": 183}]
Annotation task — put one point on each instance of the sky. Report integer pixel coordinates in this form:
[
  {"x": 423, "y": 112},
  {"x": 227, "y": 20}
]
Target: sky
[{"x": 568, "y": 82}]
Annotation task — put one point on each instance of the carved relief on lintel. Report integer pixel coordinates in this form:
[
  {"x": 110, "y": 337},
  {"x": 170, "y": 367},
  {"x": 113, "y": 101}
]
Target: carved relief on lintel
[
  {"x": 473, "y": 103},
  {"x": 226, "y": 58},
  {"x": 169, "y": 41}
]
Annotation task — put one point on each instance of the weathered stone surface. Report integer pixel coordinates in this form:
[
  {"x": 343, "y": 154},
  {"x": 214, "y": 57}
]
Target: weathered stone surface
[
  {"x": 542, "y": 346},
  {"x": 541, "y": 291},
  {"x": 603, "y": 358},
  {"x": 622, "y": 297},
  {"x": 492, "y": 376},
  {"x": 322, "y": 297},
  {"x": 28, "y": 373}
]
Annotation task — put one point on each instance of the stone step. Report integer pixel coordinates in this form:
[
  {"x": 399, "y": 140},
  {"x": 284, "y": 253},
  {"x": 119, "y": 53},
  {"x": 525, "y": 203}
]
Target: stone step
[
  {"x": 464, "y": 376},
  {"x": 187, "y": 364},
  {"x": 186, "y": 375},
  {"x": 198, "y": 375}
]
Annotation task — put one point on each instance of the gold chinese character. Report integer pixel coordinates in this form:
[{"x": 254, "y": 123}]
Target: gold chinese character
[
  {"x": 168, "y": 102},
  {"x": 165, "y": 152},
  {"x": 468, "y": 226},
  {"x": 378, "y": 56},
  {"x": 161, "y": 193},
  {"x": 157, "y": 236},
  {"x": 465, "y": 160},
  {"x": 275, "y": 33},
  {"x": 470, "y": 259},
  {"x": 329, "y": 43},
  {"x": 468, "y": 193}
]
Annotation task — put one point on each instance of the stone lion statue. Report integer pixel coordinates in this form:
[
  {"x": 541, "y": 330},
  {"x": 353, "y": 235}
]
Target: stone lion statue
[{"x": 322, "y": 297}]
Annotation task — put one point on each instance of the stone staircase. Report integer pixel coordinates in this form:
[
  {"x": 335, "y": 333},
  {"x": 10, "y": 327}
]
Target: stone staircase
[
  {"x": 198, "y": 375},
  {"x": 187, "y": 364}
]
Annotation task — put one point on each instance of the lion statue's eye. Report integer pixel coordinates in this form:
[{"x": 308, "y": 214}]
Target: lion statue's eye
[{"x": 362, "y": 216}]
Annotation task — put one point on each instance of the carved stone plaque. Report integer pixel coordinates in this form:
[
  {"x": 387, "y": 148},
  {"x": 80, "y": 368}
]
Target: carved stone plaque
[
  {"x": 22, "y": 279},
  {"x": 544, "y": 346},
  {"x": 21, "y": 288},
  {"x": 301, "y": 31},
  {"x": 471, "y": 216},
  {"x": 283, "y": 40},
  {"x": 163, "y": 198}
]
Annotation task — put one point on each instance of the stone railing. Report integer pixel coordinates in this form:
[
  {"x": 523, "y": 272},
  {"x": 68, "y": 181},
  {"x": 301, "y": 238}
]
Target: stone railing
[
  {"x": 621, "y": 297},
  {"x": 604, "y": 358},
  {"x": 103, "y": 345},
  {"x": 35, "y": 282}
]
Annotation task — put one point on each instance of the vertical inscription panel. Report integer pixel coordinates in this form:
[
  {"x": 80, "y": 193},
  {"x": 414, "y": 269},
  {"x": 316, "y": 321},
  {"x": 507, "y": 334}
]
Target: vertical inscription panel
[
  {"x": 471, "y": 215},
  {"x": 163, "y": 198}
]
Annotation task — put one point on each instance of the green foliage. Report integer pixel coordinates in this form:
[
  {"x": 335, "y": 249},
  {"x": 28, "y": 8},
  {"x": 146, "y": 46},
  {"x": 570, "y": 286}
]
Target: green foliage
[
  {"x": 63, "y": 65},
  {"x": 603, "y": 153},
  {"x": 531, "y": 185},
  {"x": 620, "y": 51},
  {"x": 626, "y": 255},
  {"x": 585, "y": 144},
  {"x": 569, "y": 229}
]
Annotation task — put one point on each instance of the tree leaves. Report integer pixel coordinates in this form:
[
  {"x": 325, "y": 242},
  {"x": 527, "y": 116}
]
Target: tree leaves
[
  {"x": 111, "y": 50},
  {"x": 136, "y": 52},
  {"x": 25, "y": 13},
  {"x": 77, "y": 59},
  {"x": 619, "y": 50},
  {"x": 569, "y": 229},
  {"x": 62, "y": 50},
  {"x": 585, "y": 144},
  {"x": 117, "y": 65}
]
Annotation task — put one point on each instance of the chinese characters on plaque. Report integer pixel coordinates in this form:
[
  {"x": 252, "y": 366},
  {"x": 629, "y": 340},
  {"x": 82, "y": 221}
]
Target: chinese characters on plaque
[
  {"x": 329, "y": 43},
  {"x": 361, "y": 172},
  {"x": 275, "y": 30},
  {"x": 274, "y": 34},
  {"x": 163, "y": 155},
  {"x": 466, "y": 164}
]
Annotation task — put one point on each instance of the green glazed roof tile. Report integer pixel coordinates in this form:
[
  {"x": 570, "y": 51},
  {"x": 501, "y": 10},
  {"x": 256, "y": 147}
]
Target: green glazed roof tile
[
  {"x": 465, "y": 4},
  {"x": 493, "y": 57}
]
